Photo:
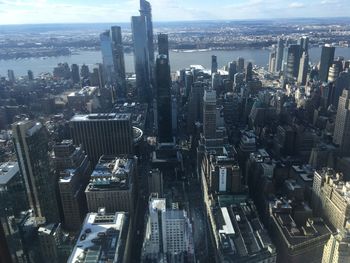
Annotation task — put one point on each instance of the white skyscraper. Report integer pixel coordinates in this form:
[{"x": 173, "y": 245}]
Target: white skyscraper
[{"x": 168, "y": 232}]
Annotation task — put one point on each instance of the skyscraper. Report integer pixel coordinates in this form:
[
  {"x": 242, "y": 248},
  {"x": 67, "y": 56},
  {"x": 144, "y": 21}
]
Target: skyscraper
[
  {"x": 279, "y": 55},
  {"x": 119, "y": 61},
  {"x": 232, "y": 69},
  {"x": 146, "y": 12},
  {"x": 100, "y": 134},
  {"x": 107, "y": 55},
  {"x": 303, "y": 68},
  {"x": 31, "y": 144},
  {"x": 214, "y": 64},
  {"x": 141, "y": 58},
  {"x": 272, "y": 61},
  {"x": 163, "y": 45},
  {"x": 75, "y": 73},
  {"x": 163, "y": 85},
  {"x": 342, "y": 123},
  {"x": 327, "y": 57},
  {"x": 304, "y": 45},
  {"x": 209, "y": 114},
  {"x": 249, "y": 72},
  {"x": 240, "y": 66}
]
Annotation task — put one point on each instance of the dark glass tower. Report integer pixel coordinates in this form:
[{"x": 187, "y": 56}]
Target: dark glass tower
[
  {"x": 118, "y": 57},
  {"x": 31, "y": 144},
  {"x": 141, "y": 58},
  {"x": 327, "y": 57},
  {"x": 279, "y": 55},
  {"x": 249, "y": 72},
  {"x": 214, "y": 64},
  {"x": 163, "y": 84},
  {"x": 146, "y": 12},
  {"x": 163, "y": 45}
]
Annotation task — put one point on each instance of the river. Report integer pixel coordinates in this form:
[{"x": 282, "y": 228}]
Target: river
[{"x": 178, "y": 60}]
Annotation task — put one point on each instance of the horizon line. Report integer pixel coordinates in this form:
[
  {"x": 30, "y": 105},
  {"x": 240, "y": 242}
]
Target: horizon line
[{"x": 184, "y": 21}]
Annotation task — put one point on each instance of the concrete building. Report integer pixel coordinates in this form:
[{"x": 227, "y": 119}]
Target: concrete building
[
  {"x": 209, "y": 114},
  {"x": 341, "y": 135},
  {"x": 327, "y": 57},
  {"x": 331, "y": 197},
  {"x": 100, "y": 134},
  {"x": 103, "y": 238},
  {"x": 337, "y": 249},
  {"x": 113, "y": 185},
  {"x": 303, "y": 69},
  {"x": 49, "y": 239},
  {"x": 31, "y": 144},
  {"x": 298, "y": 236},
  {"x": 168, "y": 233}
]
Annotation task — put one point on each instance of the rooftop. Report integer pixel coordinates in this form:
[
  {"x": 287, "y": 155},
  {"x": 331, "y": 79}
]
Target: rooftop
[
  {"x": 101, "y": 117},
  {"x": 8, "y": 171},
  {"x": 100, "y": 239},
  {"x": 112, "y": 172}
]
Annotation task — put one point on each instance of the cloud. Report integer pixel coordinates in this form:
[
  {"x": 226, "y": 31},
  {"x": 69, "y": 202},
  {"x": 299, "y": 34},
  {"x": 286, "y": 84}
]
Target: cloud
[
  {"x": 296, "y": 5},
  {"x": 326, "y": 2}
]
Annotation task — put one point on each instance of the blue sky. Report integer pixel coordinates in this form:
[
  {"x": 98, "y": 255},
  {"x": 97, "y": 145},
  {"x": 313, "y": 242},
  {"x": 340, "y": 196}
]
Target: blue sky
[{"x": 77, "y": 11}]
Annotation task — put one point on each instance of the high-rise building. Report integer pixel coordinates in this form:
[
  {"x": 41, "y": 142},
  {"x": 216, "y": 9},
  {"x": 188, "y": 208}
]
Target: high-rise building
[
  {"x": 293, "y": 61},
  {"x": 113, "y": 185},
  {"x": 163, "y": 85},
  {"x": 30, "y": 75},
  {"x": 333, "y": 72},
  {"x": 107, "y": 55},
  {"x": 85, "y": 72},
  {"x": 272, "y": 61},
  {"x": 341, "y": 134},
  {"x": 31, "y": 144},
  {"x": 49, "y": 239},
  {"x": 330, "y": 197},
  {"x": 195, "y": 105},
  {"x": 73, "y": 169},
  {"x": 168, "y": 232},
  {"x": 163, "y": 45},
  {"x": 240, "y": 66},
  {"x": 214, "y": 64},
  {"x": 327, "y": 57},
  {"x": 119, "y": 61},
  {"x": 104, "y": 237},
  {"x": 209, "y": 114},
  {"x": 337, "y": 249},
  {"x": 141, "y": 58},
  {"x": 304, "y": 45},
  {"x": 249, "y": 72},
  {"x": 303, "y": 68},
  {"x": 232, "y": 69},
  {"x": 155, "y": 182},
  {"x": 146, "y": 12},
  {"x": 75, "y": 73},
  {"x": 279, "y": 55},
  {"x": 11, "y": 75},
  {"x": 99, "y": 134}
]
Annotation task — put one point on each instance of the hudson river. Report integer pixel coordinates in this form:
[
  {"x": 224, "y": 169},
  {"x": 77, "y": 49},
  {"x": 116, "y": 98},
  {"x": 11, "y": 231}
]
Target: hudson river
[{"x": 178, "y": 60}]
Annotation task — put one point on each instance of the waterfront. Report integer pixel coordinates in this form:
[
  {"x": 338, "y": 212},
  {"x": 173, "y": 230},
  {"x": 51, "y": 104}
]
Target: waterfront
[{"x": 178, "y": 60}]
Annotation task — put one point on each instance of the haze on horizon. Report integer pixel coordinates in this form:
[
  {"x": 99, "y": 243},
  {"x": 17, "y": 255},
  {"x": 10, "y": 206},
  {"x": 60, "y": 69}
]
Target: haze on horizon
[{"x": 94, "y": 11}]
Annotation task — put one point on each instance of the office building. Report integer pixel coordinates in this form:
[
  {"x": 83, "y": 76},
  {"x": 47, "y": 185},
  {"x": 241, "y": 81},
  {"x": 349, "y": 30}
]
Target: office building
[
  {"x": 30, "y": 75},
  {"x": 85, "y": 72},
  {"x": 50, "y": 237},
  {"x": 331, "y": 197},
  {"x": 209, "y": 114},
  {"x": 113, "y": 185},
  {"x": 292, "y": 62},
  {"x": 249, "y": 72},
  {"x": 337, "y": 249},
  {"x": 214, "y": 64},
  {"x": 272, "y": 61},
  {"x": 304, "y": 45},
  {"x": 341, "y": 134},
  {"x": 333, "y": 73},
  {"x": 296, "y": 233},
  {"x": 141, "y": 58},
  {"x": 279, "y": 54},
  {"x": 163, "y": 45},
  {"x": 99, "y": 134},
  {"x": 168, "y": 233},
  {"x": 164, "y": 109},
  {"x": 118, "y": 60},
  {"x": 75, "y": 73},
  {"x": 5, "y": 255},
  {"x": 232, "y": 70},
  {"x": 104, "y": 237},
  {"x": 146, "y": 12},
  {"x": 303, "y": 68},
  {"x": 240, "y": 65},
  {"x": 11, "y": 76},
  {"x": 31, "y": 144},
  {"x": 12, "y": 190},
  {"x": 107, "y": 55},
  {"x": 327, "y": 58}
]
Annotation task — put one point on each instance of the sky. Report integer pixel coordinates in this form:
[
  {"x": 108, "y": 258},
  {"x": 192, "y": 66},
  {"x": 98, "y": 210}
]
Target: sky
[{"x": 105, "y": 11}]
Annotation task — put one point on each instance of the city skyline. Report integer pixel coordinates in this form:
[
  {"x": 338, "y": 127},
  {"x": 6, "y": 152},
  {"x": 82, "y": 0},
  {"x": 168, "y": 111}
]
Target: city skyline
[{"x": 63, "y": 11}]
